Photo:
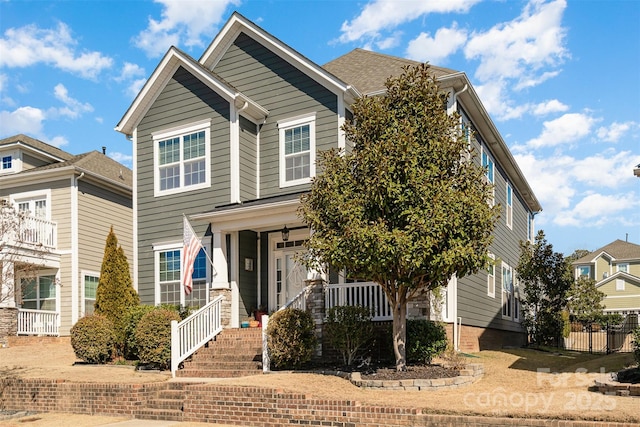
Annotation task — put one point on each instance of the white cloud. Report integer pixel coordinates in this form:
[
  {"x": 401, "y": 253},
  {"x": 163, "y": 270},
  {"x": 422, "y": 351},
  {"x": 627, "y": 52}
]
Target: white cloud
[
  {"x": 125, "y": 159},
  {"x": 385, "y": 14},
  {"x": 130, "y": 71},
  {"x": 607, "y": 169},
  {"x": 135, "y": 87},
  {"x": 3, "y": 83},
  {"x": 27, "y": 120},
  {"x": 183, "y": 22},
  {"x": 56, "y": 141},
  {"x": 73, "y": 108},
  {"x": 596, "y": 210},
  {"x": 520, "y": 48},
  {"x": 548, "y": 107},
  {"x": 563, "y": 130},
  {"x": 495, "y": 100},
  {"x": 616, "y": 130},
  {"x": 29, "y": 45},
  {"x": 436, "y": 49}
]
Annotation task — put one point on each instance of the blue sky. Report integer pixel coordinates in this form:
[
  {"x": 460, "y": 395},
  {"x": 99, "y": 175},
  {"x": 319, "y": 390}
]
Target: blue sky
[{"x": 560, "y": 79}]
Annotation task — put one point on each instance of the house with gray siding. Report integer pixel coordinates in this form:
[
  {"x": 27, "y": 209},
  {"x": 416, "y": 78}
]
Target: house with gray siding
[
  {"x": 63, "y": 206},
  {"x": 229, "y": 141}
]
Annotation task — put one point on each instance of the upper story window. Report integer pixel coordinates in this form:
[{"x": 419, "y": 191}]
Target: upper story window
[
  {"x": 623, "y": 267},
  {"x": 297, "y": 150},
  {"x": 530, "y": 227},
  {"x": 487, "y": 163},
  {"x": 10, "y": 162},
  {"x": 6, "y": 162},
  {"x": 507, "y": 290},
  {"x": 584, "y": 271},
  {"x": 36, "y": 208},
  {"x": 491, "y": 276},
  {"x": 182, "y": 158},
  {"x": 509, "y": 206}
]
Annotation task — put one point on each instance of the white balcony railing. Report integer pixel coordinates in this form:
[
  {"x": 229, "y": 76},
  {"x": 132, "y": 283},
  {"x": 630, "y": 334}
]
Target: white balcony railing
[
  {"x": 366, "y": 294},
  {"x": 37, "y": 231},
  {"x": 38, "y": 322},
  {"x": 195, "y": 331}
]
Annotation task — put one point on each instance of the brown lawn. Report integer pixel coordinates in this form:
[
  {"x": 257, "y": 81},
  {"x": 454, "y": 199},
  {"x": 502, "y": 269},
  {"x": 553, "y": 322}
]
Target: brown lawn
[{"x": 519, "y": 383}]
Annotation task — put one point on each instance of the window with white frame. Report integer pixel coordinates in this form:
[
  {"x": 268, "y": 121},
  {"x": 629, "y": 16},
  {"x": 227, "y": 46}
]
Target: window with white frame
[
  {"x": 297, "y": 150},
  {"x": 507, "y": 290},
  {"x": 10, "y": 162},
  {"x": 487, "y": 163},
  {"x": 182, "y": 158},
  {"x": 34, "y": 207},
  {"x": 624, "y": 267},
  {"x": 39, "y": 293},
  {"x": 90, "y": 288},
  {"x": 516, "y": 299},
  {"x": 509, "y": 206},
  {"x": 491, "y": 276},
  {"x": 584, "y": 271},
  {"x": 170, "y": 287},
  {"x": 530, "y": 227},
  {"x": 7, "y": 162}
]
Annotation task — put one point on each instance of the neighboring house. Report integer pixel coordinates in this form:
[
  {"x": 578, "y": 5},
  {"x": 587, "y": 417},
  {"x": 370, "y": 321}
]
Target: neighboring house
[
  {"x": 230, "y": 142},
  {"x": 616, "y": 271},
  {"x": 66, "y": 205}
]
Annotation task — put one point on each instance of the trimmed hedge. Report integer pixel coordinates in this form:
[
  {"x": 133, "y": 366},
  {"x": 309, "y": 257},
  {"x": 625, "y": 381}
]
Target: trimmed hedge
[
  {"x": 153, "y": 337},
  {"x": 425, "y": 340},
  {"x": 290, "y": 338},
  {"x": 93, "y": 339}
]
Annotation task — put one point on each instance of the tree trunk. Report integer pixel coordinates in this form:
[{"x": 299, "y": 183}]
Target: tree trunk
[{"x": 400, "y": 332}]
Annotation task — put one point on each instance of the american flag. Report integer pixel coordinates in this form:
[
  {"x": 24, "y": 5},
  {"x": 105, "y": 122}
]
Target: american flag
[{"x": 190, "y": 250}]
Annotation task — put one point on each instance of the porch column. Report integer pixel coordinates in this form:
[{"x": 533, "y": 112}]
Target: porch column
[
  {"x": 219, "y": 255},
  {"x": 316, "y": 307}
]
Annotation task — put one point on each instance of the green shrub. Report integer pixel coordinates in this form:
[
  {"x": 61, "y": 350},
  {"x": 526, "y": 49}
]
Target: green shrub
[
  {"x": 348, "y": 330},
  {"x": 93, "y": 339},
  {"x": 153, "y": 337},
  {"x": 131, "y": 319},
  {"x": 290, "y": 338},
  {"x": 636, "y": 345},
  {"x": 425, "y": 340},
  {"x": 566, "y": 324}
]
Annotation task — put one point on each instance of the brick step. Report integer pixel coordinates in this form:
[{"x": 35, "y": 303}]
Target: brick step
[
  {"x": 167, "y": 404},
  {"x": 159, "y": 414},
  {"x": 223, "y": 365},
  {"x": 216, "y": 373},
  {"x": 219, "y": 353},
  {"x": 176, "y": 394}
]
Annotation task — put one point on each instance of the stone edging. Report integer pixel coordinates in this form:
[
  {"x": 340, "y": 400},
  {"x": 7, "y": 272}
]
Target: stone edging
[
  {"x": 468, "y": 375},
  {"x": 614, "y": 388}
]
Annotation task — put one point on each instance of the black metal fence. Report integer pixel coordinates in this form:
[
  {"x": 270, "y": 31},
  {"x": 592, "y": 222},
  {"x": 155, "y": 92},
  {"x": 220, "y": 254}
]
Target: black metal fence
[{"x": 602, "y": 338}]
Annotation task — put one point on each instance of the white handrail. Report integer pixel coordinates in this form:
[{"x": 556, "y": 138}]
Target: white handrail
[
  {"x": 38, "y": 322},
  {"x": 299, "y": 301},
  {"x": 35, "y": 231},
  {"x": 195, "y": 331}
]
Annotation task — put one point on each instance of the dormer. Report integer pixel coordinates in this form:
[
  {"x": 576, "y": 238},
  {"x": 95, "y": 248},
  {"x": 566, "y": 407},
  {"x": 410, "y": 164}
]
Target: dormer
[{"x": 20, "y": 153}]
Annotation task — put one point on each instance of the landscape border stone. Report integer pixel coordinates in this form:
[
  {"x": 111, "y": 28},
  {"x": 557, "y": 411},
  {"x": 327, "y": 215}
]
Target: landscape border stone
[{"x": 471, "y": 373}]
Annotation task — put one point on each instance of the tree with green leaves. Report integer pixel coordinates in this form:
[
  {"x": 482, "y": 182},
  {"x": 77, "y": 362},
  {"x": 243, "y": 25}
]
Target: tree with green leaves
[
  {"x": 585, "y": 301},
  {"x": 407, "y": 207},
  {"x": 546, "y": 278},
  {"x": 115, "y": 293}
]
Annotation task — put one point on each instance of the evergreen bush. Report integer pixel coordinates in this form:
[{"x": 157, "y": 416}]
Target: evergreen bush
[
  {"x": 93, "y": 339},
  {"x": 153, "y": 337},
  {"x": 636, "y": 345},
  {"x": 291, "y": 338},
  {"x": 131, "y": 320},
  {"x": 425, "y": 340},
  {"x": 349, "y": 329}
]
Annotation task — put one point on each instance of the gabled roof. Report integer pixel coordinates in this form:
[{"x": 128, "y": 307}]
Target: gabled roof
[
  {"x": 618, "y": 250},
  {"x": 165, "y": 70},
  {"x": 368, "y": 71},
  {"x": 37, "y": 146},
  {"x": 239, "y": 24},
  {"x": 619, "y": 275}
]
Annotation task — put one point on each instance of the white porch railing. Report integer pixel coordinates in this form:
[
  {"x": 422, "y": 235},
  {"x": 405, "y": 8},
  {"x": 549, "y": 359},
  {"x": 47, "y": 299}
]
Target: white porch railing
[
  {"x": 195, "y": 331},
  {"x": 299, "y": 301},
  {"x": 37, "y": 231},
  {"x": 38, "y": 322},
  {"x": 367, "y": 294}
]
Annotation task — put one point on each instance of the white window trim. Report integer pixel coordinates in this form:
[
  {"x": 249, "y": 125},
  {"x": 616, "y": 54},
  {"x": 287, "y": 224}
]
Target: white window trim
[
  {"x": 578, "y": 275},
  {"x": 622, "y": 263},
  {"x": 202, "y": 125},
  {"x": 40, "y": 273},
  {"x": 83, "y": 274},
  {"x": 165, "y": 247},
  {"x": 502, "y": 288},
  {"x": 509, "y": 207},
  {"x": 283, "y": 125},
  {"x": 16, "y": 162},
  {"x": 492, "y": 167},
  {"x": 492, "y": 276},
  {"x": 620, "y": 285}
]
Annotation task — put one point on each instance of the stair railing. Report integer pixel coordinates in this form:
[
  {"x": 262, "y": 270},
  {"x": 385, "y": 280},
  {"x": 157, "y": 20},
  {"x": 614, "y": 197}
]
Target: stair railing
[{"x": 195, "y": 331}]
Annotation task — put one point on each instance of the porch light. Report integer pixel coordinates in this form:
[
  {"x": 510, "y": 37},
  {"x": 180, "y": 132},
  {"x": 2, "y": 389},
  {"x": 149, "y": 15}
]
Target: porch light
[{"x": 285, "y": 234}]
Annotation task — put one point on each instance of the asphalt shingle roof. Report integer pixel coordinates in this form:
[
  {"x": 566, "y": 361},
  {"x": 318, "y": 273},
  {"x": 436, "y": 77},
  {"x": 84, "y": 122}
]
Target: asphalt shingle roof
[
  {"x": 367, "y": 71},
  {"x": 36, "y": 144},
  {"x": 618, "y": 249}
]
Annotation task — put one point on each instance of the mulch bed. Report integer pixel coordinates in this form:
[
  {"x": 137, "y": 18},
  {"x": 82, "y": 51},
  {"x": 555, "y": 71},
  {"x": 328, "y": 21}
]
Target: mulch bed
[
  {"x": 413, "y": 372},
  {"x": 631, "y": 375}
]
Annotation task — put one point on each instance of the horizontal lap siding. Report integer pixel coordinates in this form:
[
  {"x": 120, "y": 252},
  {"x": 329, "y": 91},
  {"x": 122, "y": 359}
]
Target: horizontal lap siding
[
  {"x": 248, "y": 164},
  {"x": 183, "y": 101},
  {"x": 286, "y": 92},
  {"x": 475, "y": 307}
]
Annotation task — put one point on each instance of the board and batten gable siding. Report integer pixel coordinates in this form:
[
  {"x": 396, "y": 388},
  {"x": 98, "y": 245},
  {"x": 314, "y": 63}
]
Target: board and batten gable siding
[
  {"x": 184, "y": 100},
  {"x": 30, "y": 162},
  {"x": 475, "y": 307},
  {"x": 248, "y": 161},
  {"x": 286, "y": 92}
]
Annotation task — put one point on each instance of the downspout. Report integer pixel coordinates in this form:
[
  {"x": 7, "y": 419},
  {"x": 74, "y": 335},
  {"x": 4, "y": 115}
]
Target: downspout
[{"x": 75, "y": 291}]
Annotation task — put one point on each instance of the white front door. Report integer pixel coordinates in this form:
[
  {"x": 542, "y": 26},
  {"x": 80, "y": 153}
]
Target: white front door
[{"x": 287, "y": 275}]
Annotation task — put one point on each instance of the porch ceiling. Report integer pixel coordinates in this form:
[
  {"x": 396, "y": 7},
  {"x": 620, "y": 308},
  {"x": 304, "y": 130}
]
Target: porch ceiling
[{"x": 263, "y": 217}]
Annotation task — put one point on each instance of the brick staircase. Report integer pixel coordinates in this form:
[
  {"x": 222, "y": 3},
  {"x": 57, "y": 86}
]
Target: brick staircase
[
  {"x": 167, "y": 404},
  {"x": 233, "y": 353}
]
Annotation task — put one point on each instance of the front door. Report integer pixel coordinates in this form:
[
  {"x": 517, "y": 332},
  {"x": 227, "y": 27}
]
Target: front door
[{"x": 288, "y": 275}]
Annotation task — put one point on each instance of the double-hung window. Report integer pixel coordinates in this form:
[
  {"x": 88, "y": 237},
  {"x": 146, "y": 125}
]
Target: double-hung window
[
  {"x": 507, "y": 290},
  {"x": 39, "y": 293},
  {"x": 297, "y": 150},
  {"x": 509, "y": 206},
  {"x": 530, "y": 227},
  {"x": 182, "y": 158},
  {"x": 584, "y": 271},
  {"x": 491, "y": 276},
  {"x": 487, "y": 163},
  {"x": 90, "y": 289},
  {"x": 170, "y": 289},
  {"x": 7, "y": 162}
]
